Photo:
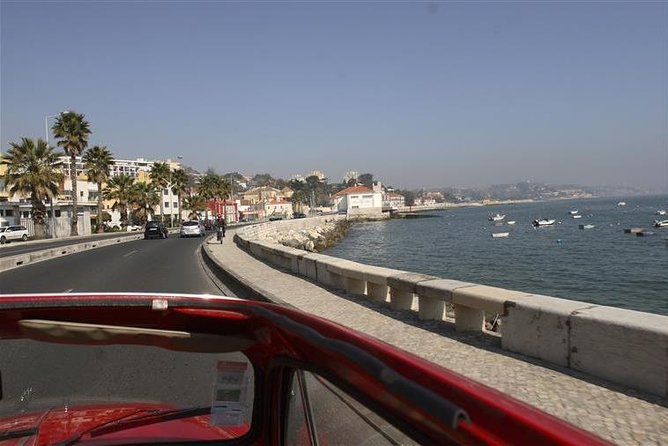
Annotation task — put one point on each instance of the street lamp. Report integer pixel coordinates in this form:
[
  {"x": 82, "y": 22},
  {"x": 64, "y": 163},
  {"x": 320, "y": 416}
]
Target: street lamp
[{"x": 46, "y": 133}]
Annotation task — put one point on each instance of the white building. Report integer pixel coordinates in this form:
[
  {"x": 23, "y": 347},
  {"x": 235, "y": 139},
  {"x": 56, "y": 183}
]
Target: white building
[{"x": 359, "y": 202}]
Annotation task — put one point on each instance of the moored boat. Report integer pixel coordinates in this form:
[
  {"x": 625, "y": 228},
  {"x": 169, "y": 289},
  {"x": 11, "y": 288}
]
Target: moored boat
[
  {"x": 621, "y": 203},
  {"x": 511, "y": 222},
  {"x": 661, "y": 212},
  {"x": 497, "y": 217},
  {"x": 633, "y": 230},
  {"x": 587, "y": 226},
  {"x": 500, "y": 234},
  {"x": 544, "y": 222},
  {"x": 577, "y": 216},
  {"x": 660, "y": 223},
  {"x": 573, "y": 212}
]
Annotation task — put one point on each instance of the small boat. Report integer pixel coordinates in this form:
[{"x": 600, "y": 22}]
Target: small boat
[
  {"x": 621, "y": 203},
  {"x": 633, "y": 230},
  {"x": 661, "y": 212},
  {"x": 544, "y": 222},
  {"x": 577, "y": 216},
  {"x": 660, "y": 223},
  {"x": 497, "y": 217},
  {"x": 500, "y": 234},
  {"x": 644, "y": 233},
  {"x": 587, "y": 226},
  {"x": 573, "y": 212},
  {"x": 511, "y": 222}
]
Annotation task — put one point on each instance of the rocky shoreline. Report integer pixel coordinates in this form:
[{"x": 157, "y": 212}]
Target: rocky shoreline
[{"x": 313, "y": 240}]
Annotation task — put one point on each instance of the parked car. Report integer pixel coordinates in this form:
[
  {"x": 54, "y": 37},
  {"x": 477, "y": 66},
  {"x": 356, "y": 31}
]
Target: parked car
[
  {"x": 155, "y": 229},
  {"x": 17, "y": 232},
  {"x": 298, "y": 215},
  {"x": 192, "y": 228}
]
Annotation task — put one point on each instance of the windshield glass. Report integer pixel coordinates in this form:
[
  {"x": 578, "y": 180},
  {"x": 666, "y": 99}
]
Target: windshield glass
[{"x": 87, "y": 383}]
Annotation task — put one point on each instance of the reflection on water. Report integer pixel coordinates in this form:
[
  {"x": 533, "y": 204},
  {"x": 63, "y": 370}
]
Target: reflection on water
[{"x": 601, "y": 265}]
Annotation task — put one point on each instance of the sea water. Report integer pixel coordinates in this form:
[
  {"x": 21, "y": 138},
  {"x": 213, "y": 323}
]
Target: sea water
[{"x": 603, "y": 265}]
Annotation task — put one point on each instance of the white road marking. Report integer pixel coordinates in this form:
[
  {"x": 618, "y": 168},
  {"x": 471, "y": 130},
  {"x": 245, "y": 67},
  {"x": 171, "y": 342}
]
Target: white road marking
[{"x": 130, "y": 253}]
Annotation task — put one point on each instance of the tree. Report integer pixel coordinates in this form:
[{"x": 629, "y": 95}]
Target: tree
[
  {"x": 299, "y": 199},
  {"x": 97, "y": 161},
  {"x": 213, "y": 187},
  {"x": 33, "y": 169},
  {"x": 143, "y": 197},
  {"x": 366, "y": 179},
  {"x": 263, "y": 179},
  {"x": 72, "y": 131},
  {"x": 195, "y": 204},
  {"x": 179, "y": 186},
  {"x": 160, "y": 177},
  {"x": 119, "y": 188}
]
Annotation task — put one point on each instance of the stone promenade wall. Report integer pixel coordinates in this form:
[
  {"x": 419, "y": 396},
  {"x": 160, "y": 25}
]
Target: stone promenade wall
[{"x": 623, "y": 346}]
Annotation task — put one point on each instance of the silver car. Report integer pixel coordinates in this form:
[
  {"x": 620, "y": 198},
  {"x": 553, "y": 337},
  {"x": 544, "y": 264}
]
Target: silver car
[{"x": 192, "y": 228}]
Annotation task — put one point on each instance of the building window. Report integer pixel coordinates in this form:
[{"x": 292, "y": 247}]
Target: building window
[
  {"x": 166, "y": 204},
  {"x": 81, "y": 193},
  {"x": 175, "y": 204},
  {"x": 25, "y": 214},
  {"x": 165, "y": 192},
  {"x": 9, "y": 212},
  {"x": 367, "y": 196},
  {"x": 57, "y": 211}
]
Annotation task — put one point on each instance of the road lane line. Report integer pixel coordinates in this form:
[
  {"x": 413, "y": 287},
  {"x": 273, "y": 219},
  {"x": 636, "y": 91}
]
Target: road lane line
[{"x": 130, "y": 253}]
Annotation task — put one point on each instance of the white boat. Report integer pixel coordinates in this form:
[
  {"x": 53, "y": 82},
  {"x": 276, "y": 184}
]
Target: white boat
[
  {"x": 544, "y": 222},
  {"x": 661, "y": 212},
  {"x": 587, "y": 226},
  {"x": 621, "y": 203},
  {"x": 660, "y": 223},
  {"x": 577, "y": 216},
  {"x": 497, "y": 217},
  {"x": 500, "y": 234},
  {"x": 511, "y": 222},
  {"x": 573, "y": 212}
]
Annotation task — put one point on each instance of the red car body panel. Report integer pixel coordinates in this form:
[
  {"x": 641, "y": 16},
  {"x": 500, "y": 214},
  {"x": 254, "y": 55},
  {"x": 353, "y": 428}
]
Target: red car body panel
[{"x": 431, "y": 404}]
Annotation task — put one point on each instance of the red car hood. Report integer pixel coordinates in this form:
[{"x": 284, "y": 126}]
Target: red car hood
[{"x": 63, "y": 423}]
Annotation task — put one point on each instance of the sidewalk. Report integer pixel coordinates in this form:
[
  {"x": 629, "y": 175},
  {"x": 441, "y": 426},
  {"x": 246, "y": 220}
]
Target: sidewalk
[{"x": 616, "y": 414}]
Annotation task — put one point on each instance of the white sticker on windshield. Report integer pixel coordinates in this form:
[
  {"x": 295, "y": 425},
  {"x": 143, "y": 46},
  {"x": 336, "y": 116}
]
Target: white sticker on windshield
[{"x": 229, "y": 406}]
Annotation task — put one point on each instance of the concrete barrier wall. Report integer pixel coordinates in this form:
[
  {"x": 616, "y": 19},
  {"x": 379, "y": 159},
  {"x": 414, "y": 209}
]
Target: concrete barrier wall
[{"x": 623, "y": 346}]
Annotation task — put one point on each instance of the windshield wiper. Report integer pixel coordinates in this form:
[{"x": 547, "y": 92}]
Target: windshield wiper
[{"x": 156, "y": 416}]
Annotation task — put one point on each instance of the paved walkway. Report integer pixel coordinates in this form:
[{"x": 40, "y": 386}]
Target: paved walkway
[{"x": 616, "y": 414}]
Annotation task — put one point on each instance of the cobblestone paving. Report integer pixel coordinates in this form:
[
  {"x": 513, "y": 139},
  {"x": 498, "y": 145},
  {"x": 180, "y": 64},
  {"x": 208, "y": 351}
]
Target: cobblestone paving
[{"x": 617, "y": 414}]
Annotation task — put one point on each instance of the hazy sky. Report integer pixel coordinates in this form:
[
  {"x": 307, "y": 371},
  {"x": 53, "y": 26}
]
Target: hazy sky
[{"x": 420, "y": 94}]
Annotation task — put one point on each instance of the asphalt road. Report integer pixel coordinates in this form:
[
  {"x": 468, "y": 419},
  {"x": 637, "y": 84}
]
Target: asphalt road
[
  {"x": 18, "y": 247},
  {"x": 172, "y": 265},
  {"x": 37, "y": 372}
]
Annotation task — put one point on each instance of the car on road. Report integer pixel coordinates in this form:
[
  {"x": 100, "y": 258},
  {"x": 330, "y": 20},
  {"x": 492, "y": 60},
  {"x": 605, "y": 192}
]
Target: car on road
[
  {"x": 155, "y": 229},
  {"x": 201, "y": 369},
  {"x": 192, "y": 228},
  {"x": 16, "y": 232},
  {"x": 298, "y": 215}
]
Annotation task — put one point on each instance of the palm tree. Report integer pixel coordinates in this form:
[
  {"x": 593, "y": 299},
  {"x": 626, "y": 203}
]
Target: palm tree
[
  {"x": 72, "y": 130},
  {"x": 195, "y": 204},
  {"x": 33, "y": 169},
  {"x": 119, "y": 188},
  {"x": 97, "y": 161},
  {"x": 144, "y": 196},
  {"x": 179, "y": 186},
  {"x": 160, "y": 176}
]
